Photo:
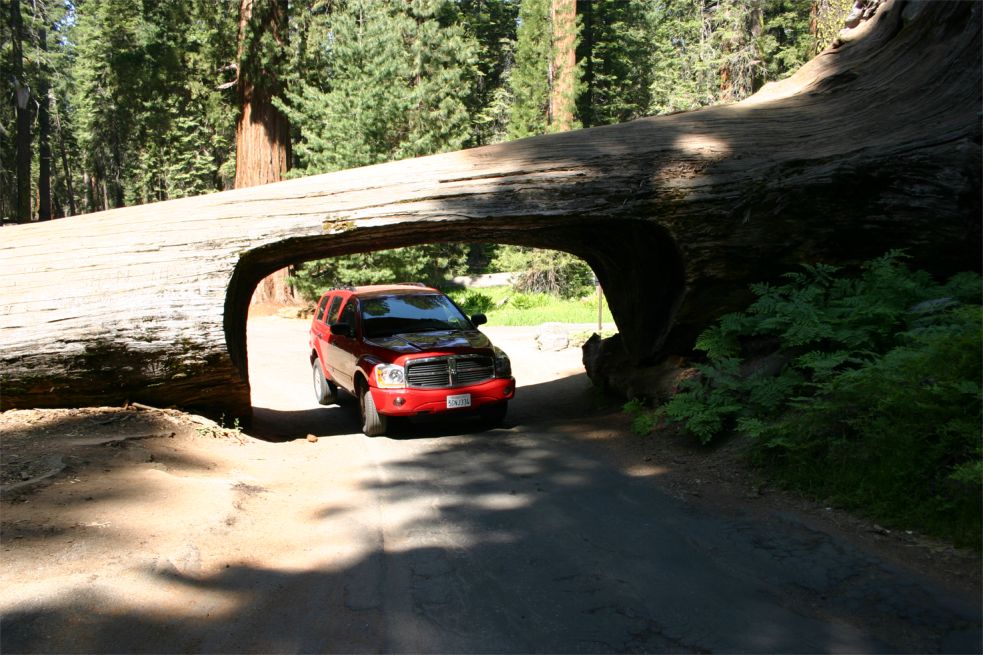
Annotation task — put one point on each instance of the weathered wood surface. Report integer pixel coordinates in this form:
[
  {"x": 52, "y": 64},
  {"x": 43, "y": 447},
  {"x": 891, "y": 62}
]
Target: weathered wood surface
[{"x": 873, "y": 145}]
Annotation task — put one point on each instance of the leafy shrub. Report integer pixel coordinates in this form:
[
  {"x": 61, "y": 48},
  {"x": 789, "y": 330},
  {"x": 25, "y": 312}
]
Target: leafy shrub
[
  {"x": 546, "y": 271},
  {"x": 536, "y": 310},
  {"x": 898, "y": 435},
  {"x": 474, "y": 302},
  {"x": 429, "y": 263},
  {"x": 864, "y": 390},
  {"x": 529, "y": 300},
  {"x": 642, "y": 421}
]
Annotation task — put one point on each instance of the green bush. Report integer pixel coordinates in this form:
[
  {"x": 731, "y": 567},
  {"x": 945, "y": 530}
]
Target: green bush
[
  {"x": 862, "y": 390},
  {"x": 429, "y": 263},
  {"x": 545, "y": 271},
  {"x": 529, "y": 300},
  {"x": 535, "y": 309},
  {"x": 898, "y": 435},
  {"x": 642, "y": 421},
  {"x": 474, "y": 302}
]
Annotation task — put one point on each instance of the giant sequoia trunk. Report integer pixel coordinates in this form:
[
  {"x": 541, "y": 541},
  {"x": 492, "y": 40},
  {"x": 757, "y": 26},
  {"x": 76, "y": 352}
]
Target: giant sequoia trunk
[
  {"x": 873, "y": 145},
  {"x": 563, "y": 18},
  {"x": 263, "y": 132},
  {"x": 262, "y": 140}
]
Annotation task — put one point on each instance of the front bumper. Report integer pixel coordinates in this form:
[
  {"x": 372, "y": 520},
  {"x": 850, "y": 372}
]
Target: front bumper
[{"x": 412, "y": 402}]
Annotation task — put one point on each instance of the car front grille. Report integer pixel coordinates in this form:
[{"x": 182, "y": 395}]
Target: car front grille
[{"x": 452, "y": 371}]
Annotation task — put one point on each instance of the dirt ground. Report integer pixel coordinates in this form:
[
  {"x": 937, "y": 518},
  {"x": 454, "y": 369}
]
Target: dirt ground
[{"x": 79, "y": 486}]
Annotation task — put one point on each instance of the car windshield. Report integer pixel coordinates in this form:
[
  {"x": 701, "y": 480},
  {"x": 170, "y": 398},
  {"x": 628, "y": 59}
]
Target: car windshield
[{"x": 383, "y": 316}]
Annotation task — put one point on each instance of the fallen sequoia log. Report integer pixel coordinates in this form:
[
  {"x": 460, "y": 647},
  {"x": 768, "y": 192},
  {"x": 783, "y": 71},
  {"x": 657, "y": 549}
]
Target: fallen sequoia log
[{"x": 875, "y": 144}]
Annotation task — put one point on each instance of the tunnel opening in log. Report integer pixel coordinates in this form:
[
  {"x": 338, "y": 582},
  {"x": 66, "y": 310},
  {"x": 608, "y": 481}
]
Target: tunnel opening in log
[{"x": 637, "y": 264}]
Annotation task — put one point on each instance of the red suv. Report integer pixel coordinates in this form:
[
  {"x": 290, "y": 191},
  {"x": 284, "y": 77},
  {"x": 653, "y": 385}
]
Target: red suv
[{"x": 406, "y": 350}]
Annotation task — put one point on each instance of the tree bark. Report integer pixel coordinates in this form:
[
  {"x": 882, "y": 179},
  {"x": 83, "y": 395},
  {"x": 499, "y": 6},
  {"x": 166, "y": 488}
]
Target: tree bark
[
  {"x": 262, "y": 140},
  {"x": 563, "y": 18},
  {"x": 262, "y": 132},
  {"x": 275, "y": 289},
  {"x": 44, "y": 131},
  {"x": 873, "y": 145},
  {"x": 22, "y": 98}
]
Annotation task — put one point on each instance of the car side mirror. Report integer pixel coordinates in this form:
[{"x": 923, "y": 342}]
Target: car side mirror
[
  {"x": 479, "y": 319},
  {"x": 341, "y": 330}
]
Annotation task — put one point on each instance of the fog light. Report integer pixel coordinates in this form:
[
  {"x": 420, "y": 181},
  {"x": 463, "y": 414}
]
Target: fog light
[{"x": 399, "y": 401}]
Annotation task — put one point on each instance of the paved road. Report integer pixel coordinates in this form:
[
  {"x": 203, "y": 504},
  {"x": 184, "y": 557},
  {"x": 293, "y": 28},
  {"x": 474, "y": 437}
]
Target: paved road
[
  {"x": 445, "y": 538},
  {"x": 523, "y": 540}
]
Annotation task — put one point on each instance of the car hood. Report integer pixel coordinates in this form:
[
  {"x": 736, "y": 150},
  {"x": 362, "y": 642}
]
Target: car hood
[{"x": 418, "y": 342}]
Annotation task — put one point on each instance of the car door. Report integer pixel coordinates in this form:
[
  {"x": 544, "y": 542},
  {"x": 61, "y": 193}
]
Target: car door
[
  {"x": 342, "y": 350},
  {"x": 319, "y": 327},
  {"x": 327, "y": 313}
]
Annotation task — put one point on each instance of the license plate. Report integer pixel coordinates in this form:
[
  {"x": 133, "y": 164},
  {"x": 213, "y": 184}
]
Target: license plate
[{"x": 460, "y": 400}]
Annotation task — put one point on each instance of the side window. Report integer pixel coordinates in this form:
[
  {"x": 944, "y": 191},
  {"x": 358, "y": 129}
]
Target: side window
[
  {"x": 320, "y": 308},
  {"x": 332, "y": 315},
  {"x": 348, "y": 313}
]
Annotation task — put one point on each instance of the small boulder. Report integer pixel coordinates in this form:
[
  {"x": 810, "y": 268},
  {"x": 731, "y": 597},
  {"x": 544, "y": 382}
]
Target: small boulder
[{"x": 553, "y": 337}]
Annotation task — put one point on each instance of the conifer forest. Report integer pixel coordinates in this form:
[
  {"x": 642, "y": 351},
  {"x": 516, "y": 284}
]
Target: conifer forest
[{"x": 110, "y": 103}]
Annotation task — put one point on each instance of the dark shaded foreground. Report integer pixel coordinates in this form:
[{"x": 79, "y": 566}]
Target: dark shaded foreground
[{"x": 525, "y": 541}]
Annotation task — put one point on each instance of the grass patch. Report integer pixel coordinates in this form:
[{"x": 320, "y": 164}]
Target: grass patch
[{"x": 505, "y": 307}]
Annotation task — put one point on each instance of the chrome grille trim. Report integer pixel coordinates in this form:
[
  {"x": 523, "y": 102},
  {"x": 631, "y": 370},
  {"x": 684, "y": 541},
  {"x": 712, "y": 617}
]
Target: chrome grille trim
[{"x": 449, "y": 371}]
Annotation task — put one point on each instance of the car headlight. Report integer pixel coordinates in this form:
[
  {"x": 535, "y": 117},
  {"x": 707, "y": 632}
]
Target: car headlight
[
  {"x": 503, "y": 367},
  {"x": 390, "y": 376}
]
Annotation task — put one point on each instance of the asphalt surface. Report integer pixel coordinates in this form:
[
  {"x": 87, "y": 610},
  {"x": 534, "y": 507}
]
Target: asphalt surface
[{"x": 447, "y": 538}]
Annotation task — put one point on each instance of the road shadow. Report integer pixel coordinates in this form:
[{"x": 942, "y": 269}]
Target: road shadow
[
  {"x": 516, "y": 544},
  {"x": 563, "y": 398}
]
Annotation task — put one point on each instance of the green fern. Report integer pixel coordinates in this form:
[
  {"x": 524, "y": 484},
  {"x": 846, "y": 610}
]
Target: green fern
[{"x": 872, "y": 396}]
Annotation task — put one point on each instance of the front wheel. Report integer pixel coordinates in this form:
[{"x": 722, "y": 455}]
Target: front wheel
[
  {"x": 374, "y": 424},
  {"x": 326, "y": 393}
]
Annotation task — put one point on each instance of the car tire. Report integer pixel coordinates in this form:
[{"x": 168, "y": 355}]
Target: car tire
[
  {"x": 494, "y": 415},
  {"x": 374, "y": 424},
  {"x": 325, "y": 392}
]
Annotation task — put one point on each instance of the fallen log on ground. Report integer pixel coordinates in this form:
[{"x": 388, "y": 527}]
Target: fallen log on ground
[{"x": 873, "y": 145}]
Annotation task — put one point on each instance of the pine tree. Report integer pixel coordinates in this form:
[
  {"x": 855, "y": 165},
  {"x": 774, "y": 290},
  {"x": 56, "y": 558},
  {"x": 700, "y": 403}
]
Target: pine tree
[
  {"x": 185, "y": 130},
  {"x": 109, "y": 74},
  {"x": 44, "y": 120},
  {"x": 529, "y": 78},
  {"x": 55, "y": 189},
  {"x": 788, "y": 38},
  {"x": 143, "y": 98},
  {"x": 399, "y": 76},
  {"x": 492, "y": 25},
  {"x": 827, "y": 18},
  {"x": 685, "y": 74},
  {"x": 399, "y": 83},
  {"x": 22, "y": 110},
  {"x": 615, "y": 54},
  {"x": 739, "y": 25},
  {"x": 150, "y": 119},
  {"x": 710, "y": 51},
  {"x": 8, "y": 175}
]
